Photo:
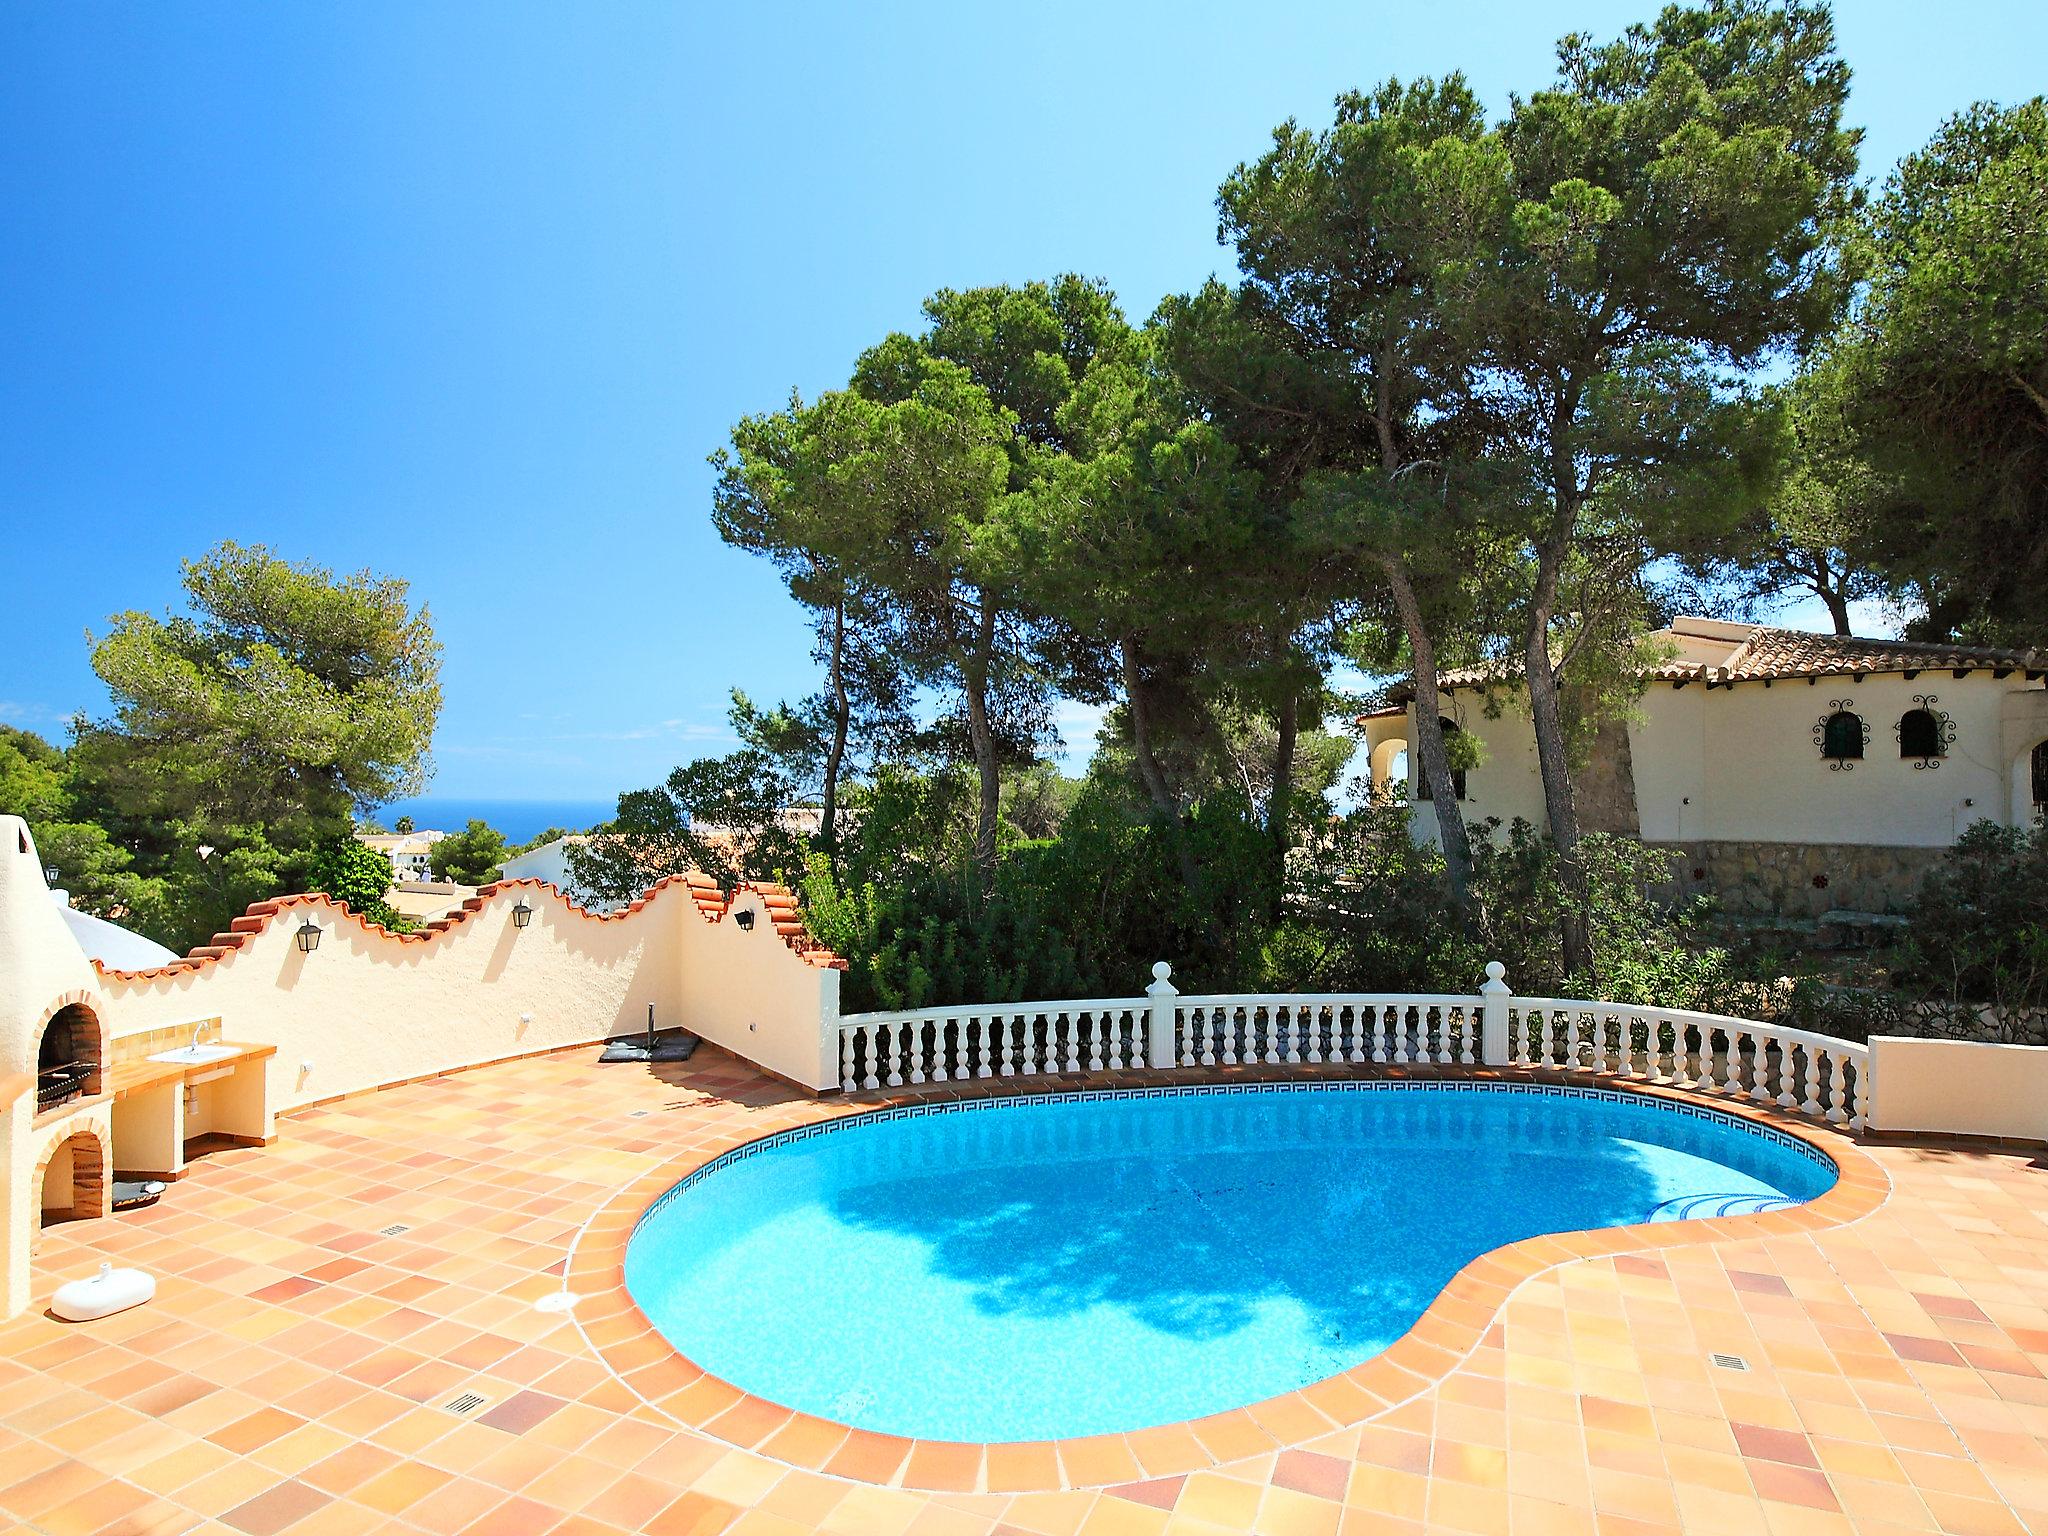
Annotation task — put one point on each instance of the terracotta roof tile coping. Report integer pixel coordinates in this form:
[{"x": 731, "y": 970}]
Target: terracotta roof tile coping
[{"x": 710, "y": 903}]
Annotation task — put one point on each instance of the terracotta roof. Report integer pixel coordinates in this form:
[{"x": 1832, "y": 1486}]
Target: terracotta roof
[{"x": 1742, "y": 653}]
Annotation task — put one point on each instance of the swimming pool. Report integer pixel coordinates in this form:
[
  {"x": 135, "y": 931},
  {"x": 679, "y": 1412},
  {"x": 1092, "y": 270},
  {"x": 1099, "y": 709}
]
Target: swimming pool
[{"x": 1073, "y": 1264}]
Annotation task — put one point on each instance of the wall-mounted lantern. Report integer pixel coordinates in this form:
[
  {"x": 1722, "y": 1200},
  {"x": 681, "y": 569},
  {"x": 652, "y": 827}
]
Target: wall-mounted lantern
[
  {"x": 745, "y": 918},
  {"x": 309, "y": 936},
  {"x": 522, "y": 914}
]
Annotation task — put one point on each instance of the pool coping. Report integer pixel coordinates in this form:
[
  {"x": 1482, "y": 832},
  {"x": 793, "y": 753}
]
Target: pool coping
[{"x": 1449, "y": 1329}]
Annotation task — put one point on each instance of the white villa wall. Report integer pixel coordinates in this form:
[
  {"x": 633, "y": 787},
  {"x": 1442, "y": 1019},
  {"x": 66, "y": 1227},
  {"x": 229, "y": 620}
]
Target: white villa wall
[
  {"x": 548, "y": 864},
  {"x": 1740, "y": 764},
  {"x": 1765, "y": 780},
  {"x": 1960, "y": 1087},
  {"x": 368, "y": 1007}
]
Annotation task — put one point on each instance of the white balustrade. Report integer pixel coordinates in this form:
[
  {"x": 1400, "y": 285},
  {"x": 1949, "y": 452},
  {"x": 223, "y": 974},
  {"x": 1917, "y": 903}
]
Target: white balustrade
[{"x": 1111, "y": 1037}]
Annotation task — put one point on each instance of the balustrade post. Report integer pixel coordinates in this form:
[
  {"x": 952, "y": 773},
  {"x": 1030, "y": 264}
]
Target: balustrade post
[
  {"x": 1159, "y": 1052},
  {"x": 1493, "y": 1017}
]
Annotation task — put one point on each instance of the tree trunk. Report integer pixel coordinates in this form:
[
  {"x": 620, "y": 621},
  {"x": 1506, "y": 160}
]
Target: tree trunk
[
  {"x": 974, "y": 676},
  {"x": 1141, "y": 730},
  {"x": 1148, "y": 765},
  {"x": 1553, "y": 764},
  {"x": 1433, "y": 760},
  {"x": 1838, "y": 609},
  {"x": 1280, "y": 802},
  {"x": 842, "y": 716}
]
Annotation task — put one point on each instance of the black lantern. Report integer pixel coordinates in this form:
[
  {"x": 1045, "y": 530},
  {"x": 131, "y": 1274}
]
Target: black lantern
[
  {"x": 745, "y": 918},
  {"x": 309, "y": 936},
  {"x": 521, "y": 915}
]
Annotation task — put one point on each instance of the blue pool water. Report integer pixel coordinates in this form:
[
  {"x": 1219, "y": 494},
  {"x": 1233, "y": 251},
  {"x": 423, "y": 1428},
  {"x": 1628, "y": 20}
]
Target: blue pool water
[{"x": 1032, "y": 1268}]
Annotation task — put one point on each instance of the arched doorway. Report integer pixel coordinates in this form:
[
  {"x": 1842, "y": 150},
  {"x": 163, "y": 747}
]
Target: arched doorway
[
  {"x": 74, "y": 1180},
  {"x": 2039, "y": 775},
  {"x": 68, "y": 1056},
  {"x": 1390, "y": 770}
]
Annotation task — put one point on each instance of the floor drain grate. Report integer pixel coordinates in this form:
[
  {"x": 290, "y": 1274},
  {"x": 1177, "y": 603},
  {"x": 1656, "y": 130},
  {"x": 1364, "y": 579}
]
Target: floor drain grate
[
  {"x": 639, "y": 1114},
  {"x": 469, "y": 1402},
  {"x": 1728, "y": 1362},
  {"x": 393, "y": 1230}
]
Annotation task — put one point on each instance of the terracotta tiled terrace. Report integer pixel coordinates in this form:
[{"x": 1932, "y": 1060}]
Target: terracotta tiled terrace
[{"x": 292, "y": 1373}]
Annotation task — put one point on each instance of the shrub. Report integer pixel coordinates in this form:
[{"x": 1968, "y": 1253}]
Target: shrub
[{"x": 1979, "y": 930}]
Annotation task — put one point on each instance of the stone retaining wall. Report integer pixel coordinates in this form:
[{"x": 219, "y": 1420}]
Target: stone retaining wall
[{"x": 1800, "y": 880}]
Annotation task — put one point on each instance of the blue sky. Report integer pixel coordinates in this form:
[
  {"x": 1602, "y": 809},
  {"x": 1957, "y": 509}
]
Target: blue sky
[{"x": 466, "y": 293}]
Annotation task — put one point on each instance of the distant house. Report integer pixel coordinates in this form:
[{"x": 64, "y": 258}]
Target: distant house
[
  {"x": 1796, "y": 773},
  {"x": 410, "y": 853},
  {"x": 548, "y": 862}
]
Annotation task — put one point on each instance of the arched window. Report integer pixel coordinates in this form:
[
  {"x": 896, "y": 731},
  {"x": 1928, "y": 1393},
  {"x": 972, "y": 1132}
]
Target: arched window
[
  {"x": 1450, "y": 730},
  {"x": 1925, "y": 732},
  {"x": 1841, "y": 735}
]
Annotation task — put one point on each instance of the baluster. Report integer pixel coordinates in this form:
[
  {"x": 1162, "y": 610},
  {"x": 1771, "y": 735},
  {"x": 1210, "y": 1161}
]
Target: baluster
[
  {"x": 1379, "y": 1033},
  {"x": 1199, "y": 1019},
  {"x": 1786, "y": 1099},
  {"x": 1837, "y": 1112},
  {"x": 1070, "y": 1056},
  {"x": 846, "y": 1083},
  {"x": 939, "y": 1050},
  {"x": 913, "y": 1049},
  {"x": 1759, "y": 1066},
  {"x": 1443, "y": 1055},
  {"x": 1091, "y": 1026},
  {"x": 1004, "y": 1048},
  {"x": 1811, "y": 1059},
  {"x": 1855, "y": 1065},
  {"x": 896, "y": 1054},
  {"x": 1027, "y": 1044},
  {"x": 1285, "y": 1022}
]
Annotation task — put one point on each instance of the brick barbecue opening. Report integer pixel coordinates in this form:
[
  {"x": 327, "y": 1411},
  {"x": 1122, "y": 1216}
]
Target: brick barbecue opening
[
  {"x": 75, "y": 1182},
  {"x": 67, "y": 1058}
]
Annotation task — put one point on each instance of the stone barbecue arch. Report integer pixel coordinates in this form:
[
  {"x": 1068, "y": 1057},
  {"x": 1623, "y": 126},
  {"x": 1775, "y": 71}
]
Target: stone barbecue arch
[
  {"x": 70, "y": 1052},
  {"x": 71, "y": 1181}
]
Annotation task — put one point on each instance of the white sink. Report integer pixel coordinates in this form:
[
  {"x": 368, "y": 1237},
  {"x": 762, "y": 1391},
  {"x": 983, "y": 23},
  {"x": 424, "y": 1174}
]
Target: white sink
[{"x": 190, "y": 1054}]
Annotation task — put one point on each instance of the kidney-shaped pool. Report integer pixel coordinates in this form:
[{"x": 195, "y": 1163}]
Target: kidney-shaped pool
[{"x": 1073, "y": 1264}]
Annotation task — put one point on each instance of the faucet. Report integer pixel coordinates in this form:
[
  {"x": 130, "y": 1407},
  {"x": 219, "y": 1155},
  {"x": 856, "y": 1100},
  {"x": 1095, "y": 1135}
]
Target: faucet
[{"x": 198, "y": 1029}]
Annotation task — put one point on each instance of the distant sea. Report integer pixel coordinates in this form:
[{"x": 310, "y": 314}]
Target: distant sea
[{"x": 520, "y": 820}]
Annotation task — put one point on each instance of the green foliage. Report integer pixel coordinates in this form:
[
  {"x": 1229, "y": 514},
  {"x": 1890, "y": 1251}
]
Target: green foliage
[
  {"x": 1948, "y": 372},
  {"x": 1084, "y": 914},
  {"x": 1979, "y": 932},
  {"x": 31, "y": 777},
  {"x": 356, "y": 874},
  {"x": 473, "y": 856},
  {"x": 1370, "y": 912},
  {"x": 721, "y": 815},
  {"x": 289, "y": 694}
]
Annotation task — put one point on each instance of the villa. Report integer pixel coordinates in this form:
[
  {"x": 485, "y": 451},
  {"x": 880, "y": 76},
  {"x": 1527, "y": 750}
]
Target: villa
[
  {"x": 1792, "y": 773},
  {"x": 412, "y": 1259},
  {"x": 411, "y": 853}
]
